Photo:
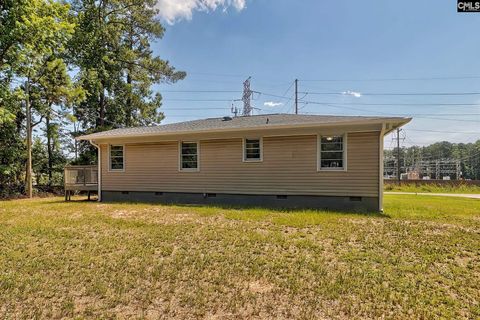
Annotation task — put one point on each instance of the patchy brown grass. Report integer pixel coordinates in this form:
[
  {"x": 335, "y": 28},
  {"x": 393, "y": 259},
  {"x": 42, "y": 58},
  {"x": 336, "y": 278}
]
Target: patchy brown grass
[{"x": 89, "y": 260}]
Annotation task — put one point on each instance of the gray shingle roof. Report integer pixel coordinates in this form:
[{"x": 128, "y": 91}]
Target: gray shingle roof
[{"x": 221, "y": 124}]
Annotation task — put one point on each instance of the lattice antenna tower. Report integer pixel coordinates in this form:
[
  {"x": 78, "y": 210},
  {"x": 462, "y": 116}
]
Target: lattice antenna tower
[{"x": 247, "y": 98}]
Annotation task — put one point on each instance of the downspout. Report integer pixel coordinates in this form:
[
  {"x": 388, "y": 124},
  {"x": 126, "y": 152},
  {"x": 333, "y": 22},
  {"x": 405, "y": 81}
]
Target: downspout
[
  {"x": 99, "y": 169},
  {"x": 380, "y": 174}
]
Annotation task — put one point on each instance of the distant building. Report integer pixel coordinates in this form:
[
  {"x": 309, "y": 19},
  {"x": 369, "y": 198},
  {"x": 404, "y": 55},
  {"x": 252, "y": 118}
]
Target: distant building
[{"x": 413, "y": 175}]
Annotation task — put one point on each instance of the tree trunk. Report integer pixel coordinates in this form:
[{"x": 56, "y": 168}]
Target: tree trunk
[
  {"x": 128, "y": 109},
  {"x": 49, "y": 148},
  {"x": 101, "y": 120},
  {"x": 75, "y": 141},
  {"x": 28, "y": 175}
]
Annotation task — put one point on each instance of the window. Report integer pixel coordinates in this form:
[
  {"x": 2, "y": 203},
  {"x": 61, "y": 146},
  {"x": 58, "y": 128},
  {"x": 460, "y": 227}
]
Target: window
[
  {"x": 189, "y": 156},
  {"x": 252, "y": 150},
  {"x": 332, "y": 153},
  {"x": 117, "y": 162}
]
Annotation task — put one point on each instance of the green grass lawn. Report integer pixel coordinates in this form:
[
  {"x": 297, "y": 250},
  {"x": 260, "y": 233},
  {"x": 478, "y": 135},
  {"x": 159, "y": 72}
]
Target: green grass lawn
[
  {"x": 421, "y": 259},
  {"x": 433, "y": 188}
]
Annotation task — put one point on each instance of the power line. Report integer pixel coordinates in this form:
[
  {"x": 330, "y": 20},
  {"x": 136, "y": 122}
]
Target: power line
[
  {"x": 470, "y": 156},
  {"x": 437, "y": 131},
  {"x": 399, "y": 93},
  {"x": 444, "y": 114},
  {"x": 290, "y": 87},
  {"x": 367, "y": 104},
  {"x": 274, "y": 95},
  {"x": 394, "y": 79},
  {"x": 217, "y": 74},
  {"x": 201, "y": 100},
  {"x": 459, "y": 77},
  {"x": 201, "y": 91},
  {"x": 394, "y": 104},
  {"x": 454, "y": 120},
  {"x": 192, "y": 109},
  {"x": 342, "y": 106},
  {"x": 333, "y": 103},
  {"x": 389, "y": 113},
  {"x": 284, "y": 96}
]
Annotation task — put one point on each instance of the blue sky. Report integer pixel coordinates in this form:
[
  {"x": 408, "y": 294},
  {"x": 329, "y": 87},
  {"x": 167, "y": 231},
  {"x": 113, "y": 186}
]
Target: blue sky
[{"x": 219, "y": 43}]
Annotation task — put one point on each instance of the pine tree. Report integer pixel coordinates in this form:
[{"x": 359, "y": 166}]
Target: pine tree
[{"x": 112, "y": 49}]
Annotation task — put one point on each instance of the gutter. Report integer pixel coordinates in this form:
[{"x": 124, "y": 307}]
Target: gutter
[
  {"x": 99, "y": 169},
  {"x": 380, "y": 166}
]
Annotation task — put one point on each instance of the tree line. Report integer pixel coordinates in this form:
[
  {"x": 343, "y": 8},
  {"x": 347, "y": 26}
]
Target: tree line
[
  {"x": 468, "y": 154},
  {"x": 80, "y": 66}
]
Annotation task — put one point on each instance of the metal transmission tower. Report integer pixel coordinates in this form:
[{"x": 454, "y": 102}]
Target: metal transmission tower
[{"x": 246, "y": 98}]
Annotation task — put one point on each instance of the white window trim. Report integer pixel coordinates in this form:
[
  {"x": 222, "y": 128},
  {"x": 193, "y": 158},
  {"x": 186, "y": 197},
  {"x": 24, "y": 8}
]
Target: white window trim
[
  {"x": 319, "y": 153},
  {"x": 197, "y": 169},
  {"x": 110, "y": 158},
  {"x": 244, "y": 158}
]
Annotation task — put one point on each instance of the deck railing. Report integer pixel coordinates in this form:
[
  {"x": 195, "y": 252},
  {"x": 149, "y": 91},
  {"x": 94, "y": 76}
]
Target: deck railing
[{"x": 83, "y": 178}]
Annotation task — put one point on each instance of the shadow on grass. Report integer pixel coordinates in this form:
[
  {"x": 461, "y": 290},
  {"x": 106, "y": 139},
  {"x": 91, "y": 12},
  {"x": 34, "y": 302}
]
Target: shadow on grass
[
  {"x": 275, "y": 209},
  {"x": 247, "y": 208},
  {"x": 92, "y": 200}
]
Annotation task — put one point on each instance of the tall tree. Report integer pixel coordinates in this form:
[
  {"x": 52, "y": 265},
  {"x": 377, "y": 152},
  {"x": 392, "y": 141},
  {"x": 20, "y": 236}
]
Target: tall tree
[
  {"x": 53, "y": 88},
  {"x": 36, "y": 32},
  {"x": 112, "y": 49},
  {"x": 11, "y": 39},
  {"x": 12, "y": 146}
]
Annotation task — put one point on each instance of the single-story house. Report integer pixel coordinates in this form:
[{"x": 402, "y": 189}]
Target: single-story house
[{"x": 284, "y": 160}]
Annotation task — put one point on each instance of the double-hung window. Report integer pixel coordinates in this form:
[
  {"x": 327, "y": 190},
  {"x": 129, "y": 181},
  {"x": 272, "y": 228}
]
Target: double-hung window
[
  {"x": 252, "y": 150},
  {"x": 117, "y": 158},
  {"x": 189, "y": 156},
  {"x": 332, "y": 152}
]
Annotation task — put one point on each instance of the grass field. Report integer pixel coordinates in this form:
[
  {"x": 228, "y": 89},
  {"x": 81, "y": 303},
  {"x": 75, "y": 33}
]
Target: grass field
[
  {"x": 434, "y": 188},
  {"x": 420, "y": 260}
]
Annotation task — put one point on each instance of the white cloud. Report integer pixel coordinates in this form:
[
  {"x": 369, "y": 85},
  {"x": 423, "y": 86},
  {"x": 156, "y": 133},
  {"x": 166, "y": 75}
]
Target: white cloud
[
  {"x": 272, "y": 104},
  {"x": 352, "y": 93},
  {"x": 174, "y": 10}
]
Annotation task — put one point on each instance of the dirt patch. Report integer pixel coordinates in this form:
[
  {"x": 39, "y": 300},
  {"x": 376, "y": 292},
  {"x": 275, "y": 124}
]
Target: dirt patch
[{"x": 260, "y": 286}]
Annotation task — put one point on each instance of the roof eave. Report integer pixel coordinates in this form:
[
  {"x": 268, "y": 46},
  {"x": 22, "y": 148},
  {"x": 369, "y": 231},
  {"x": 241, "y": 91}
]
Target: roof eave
[
  {"x": 395, "y": 120},
  {"x": 398, "y": 125}
]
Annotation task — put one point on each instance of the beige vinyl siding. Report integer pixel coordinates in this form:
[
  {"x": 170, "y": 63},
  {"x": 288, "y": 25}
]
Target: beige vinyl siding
[{"x": 289, "y": 167}]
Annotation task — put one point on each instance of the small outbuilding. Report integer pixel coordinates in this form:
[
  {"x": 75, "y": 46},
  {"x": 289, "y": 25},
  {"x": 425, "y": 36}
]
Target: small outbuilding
[{"x": 280, "y": 160}]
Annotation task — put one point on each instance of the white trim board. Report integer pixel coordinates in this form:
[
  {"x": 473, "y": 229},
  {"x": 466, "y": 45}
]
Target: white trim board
[{"x": 244, "y": 159}]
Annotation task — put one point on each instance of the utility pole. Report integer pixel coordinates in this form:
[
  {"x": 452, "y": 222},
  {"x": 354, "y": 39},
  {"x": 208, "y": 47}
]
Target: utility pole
[
  {"x": 398, "y": 155},
  {"x": 28, "y": 177},
  {"x": 247, "y": 95},
  {"x": 296, "y": 96}
]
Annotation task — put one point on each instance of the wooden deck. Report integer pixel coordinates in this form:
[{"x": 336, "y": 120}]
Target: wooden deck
[{"x": 80, "y": 178}]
